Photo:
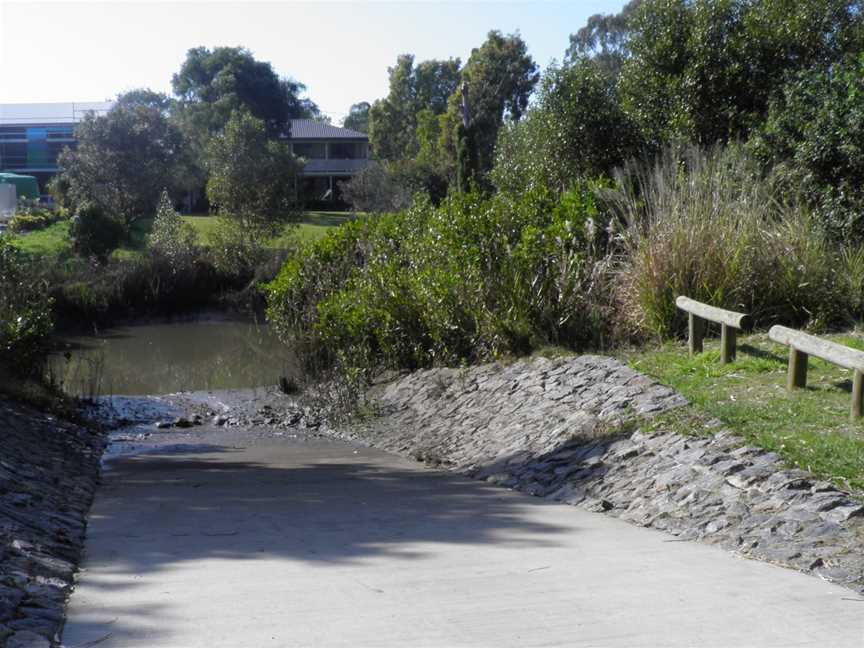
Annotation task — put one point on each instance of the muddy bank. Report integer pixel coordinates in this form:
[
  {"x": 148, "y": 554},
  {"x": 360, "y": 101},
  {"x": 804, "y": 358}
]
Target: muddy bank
[{"x": 49, "y": 470}]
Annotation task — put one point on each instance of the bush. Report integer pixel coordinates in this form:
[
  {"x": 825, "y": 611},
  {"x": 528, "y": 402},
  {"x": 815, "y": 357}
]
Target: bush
[
  {"x": 375, "y": 190},
  {"x": 472, "y": 279},
  {"x": 95, "y": 233},
  {"x": 171, "y": 238},
  {"x": 705, "y": 225},
  {"x": 25, "y": 313},
  {"x": 31, "y": 216},
  {"x": 814, "y": 138}
]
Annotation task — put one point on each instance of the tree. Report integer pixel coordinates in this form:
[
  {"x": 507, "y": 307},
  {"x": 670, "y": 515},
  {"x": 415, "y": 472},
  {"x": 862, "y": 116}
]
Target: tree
[
  {"x": 145, "y": 97},
  {"x": 252, "y": 179},
  {"x": 212, "y": 84},
  {"x": 706, "y": 70},
  {"x": 813, "y": 139},
  {"x": 496, "y": 83},
  {"x": 171, "y": 238},
  {"x": 604, "y": 40},
  {"x": 123, "y": 160},
  {"x": 575, "y": 129},
  {"x": 393, "y": 120},
  {"x": 358, "y": 117}
]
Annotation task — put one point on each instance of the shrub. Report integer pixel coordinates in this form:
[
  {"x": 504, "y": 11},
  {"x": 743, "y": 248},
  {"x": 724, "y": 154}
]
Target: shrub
[
  {"x": 814, "y": 138},
  {"x": 474, "y": 278},
  {"x": 25, "y": 313},
  {"x": 95, "y": 233},
  {"x": 171, "y": 238},
  {"x": 375, "y": 190}
]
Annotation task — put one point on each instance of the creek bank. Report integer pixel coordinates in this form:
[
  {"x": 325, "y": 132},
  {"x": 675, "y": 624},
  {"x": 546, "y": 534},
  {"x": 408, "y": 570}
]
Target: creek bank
[
  {"x": 568, "y": 430},
  {"x": 49, "y": 470}
]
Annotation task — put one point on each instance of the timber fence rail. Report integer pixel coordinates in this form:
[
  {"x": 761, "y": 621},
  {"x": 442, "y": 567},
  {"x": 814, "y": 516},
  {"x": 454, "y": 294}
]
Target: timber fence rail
[
  {"x": 699, "y": 314},
  {"x": 802, "y": 346}
]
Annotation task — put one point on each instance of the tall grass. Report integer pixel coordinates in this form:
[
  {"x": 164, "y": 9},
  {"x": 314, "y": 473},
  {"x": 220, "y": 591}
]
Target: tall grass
[{"x": 706, "y": 225}]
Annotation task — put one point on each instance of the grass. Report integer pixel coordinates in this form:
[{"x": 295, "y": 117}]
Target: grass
[
  {"x": 54, "y": 240},
  {"x": 809, "y": 428}
]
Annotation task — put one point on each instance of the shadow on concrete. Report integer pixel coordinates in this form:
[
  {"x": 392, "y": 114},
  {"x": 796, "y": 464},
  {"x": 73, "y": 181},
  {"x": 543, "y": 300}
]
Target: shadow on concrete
[{"x": 325, "y": 503}]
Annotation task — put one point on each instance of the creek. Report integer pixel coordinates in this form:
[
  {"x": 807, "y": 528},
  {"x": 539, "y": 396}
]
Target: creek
[{"x": 160, "y": 358}]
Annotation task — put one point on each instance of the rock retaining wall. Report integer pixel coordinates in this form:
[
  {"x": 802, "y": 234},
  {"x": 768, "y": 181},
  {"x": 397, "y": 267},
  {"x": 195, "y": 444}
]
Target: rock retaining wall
[
  {"x": 564, "y": 429},
  {"x": 48, "y": 474}
]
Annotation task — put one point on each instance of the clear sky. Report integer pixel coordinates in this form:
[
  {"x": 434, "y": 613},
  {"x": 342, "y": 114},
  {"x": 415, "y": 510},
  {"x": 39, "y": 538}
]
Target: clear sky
[{"x": 77, "y": 51}]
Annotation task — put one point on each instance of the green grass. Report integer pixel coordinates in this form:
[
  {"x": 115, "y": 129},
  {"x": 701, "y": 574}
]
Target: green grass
[
  {"x": 808, "y": 428},
  {"x": 54, "y": 240}
]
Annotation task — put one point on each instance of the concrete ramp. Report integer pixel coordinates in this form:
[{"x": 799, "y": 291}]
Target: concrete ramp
[{"x": 305, "y": 542}]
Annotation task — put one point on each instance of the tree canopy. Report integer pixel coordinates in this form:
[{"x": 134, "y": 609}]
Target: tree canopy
[
  {"x": 124, "y": 159},
  {"x": 393, "y": 119},
  {"x": 358, "y": 117},
  {"x": 211, "y": 84}
]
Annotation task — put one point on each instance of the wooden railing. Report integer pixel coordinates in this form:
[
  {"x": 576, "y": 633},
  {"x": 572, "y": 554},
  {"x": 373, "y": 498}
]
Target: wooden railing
[
  {"x": 802, "y": 346},
  {"x": 699, "y": 314}
]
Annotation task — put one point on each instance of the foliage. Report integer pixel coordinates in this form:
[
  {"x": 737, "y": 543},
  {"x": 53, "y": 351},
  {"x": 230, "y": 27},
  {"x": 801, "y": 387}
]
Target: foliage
[
  {"x": 358, "y": 117},
  {"x": 144, "y": 97},
  {"x": 704, "y": 71},
  {"x": 603, "y": 39},
  {"x": 393, "y": 120},
  {"x": 497, "y": 81},
  {"x": 471, "y": 279},
  {"x": 375, "y": 190},
  {"x": 25, "y": 313},
  {"x": 212, "y": 84},
  {"x": 704, "y": 225},
  {"x": 172, "y": 238},
  {"x": 575, "y": 129},
  {"x": 122, "y": 161},
  {"x": 252, "y": 181},
  {"x": 94, "y": 232},
  {"x": 814, "y": 140},
  {"x": 31, "y": 216}
]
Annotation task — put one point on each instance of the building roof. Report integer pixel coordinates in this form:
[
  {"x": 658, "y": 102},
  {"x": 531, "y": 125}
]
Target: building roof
[
  {"x": 50, "y": 113},
  {"x": 73, "y": 112},
  {"x": 311, "y": 129}
]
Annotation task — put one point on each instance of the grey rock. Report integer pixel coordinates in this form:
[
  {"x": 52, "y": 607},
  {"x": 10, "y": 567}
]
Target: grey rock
[{"x": 27, "y": 639}]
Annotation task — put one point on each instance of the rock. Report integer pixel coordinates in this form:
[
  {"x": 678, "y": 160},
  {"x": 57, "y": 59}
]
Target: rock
[
  {"x": 842, "y": 513},
  {"x": 27, "y": 639},
  {"x": 219, "y": 420},
  {"x": 55, "y": 468},
  {"x": 551, "y": 429},
  {"x": 163, "y": 425},
  {"x": 182, "y": 422}
]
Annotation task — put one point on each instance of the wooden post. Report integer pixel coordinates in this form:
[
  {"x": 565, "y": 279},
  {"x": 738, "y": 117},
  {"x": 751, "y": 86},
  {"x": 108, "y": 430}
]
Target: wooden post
[
  {"x": 696, "y": 331},
  {"x": 727, "y": 344},
  {"x": 857, "y": 396},
  {"x": 797, "y": 374}
]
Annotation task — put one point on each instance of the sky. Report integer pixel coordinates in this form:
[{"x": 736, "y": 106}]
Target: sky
[{"x": 91, "y": 51}]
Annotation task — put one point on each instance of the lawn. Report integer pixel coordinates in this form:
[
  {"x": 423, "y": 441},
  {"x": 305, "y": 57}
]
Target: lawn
[
  {"x": 809, "y": 428},
  {"x": 55, "y": 239}
]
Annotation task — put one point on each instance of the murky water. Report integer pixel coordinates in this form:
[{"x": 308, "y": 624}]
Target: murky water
[{"x": 171, "y": 357}]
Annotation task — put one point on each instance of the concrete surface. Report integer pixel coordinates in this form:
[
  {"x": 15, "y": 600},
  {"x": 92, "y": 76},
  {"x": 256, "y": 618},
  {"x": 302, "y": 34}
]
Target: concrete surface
[{"x": 318, "y": 543}]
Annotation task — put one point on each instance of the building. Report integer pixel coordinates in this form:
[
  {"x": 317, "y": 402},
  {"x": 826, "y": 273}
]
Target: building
[
  {"x": 32, "y": 136},
  {"x": 332, "y": 155}
]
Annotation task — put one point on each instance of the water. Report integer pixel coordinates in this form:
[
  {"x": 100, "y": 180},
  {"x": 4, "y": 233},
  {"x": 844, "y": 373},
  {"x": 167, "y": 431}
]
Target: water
[{"x": 170, "y": 357}]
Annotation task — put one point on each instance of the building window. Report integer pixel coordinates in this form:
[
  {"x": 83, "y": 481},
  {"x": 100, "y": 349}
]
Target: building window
[
  {"x": 347, "y": 150},
  {"x": 310, "y": 150}
]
